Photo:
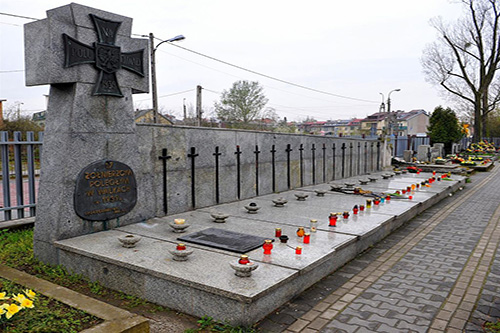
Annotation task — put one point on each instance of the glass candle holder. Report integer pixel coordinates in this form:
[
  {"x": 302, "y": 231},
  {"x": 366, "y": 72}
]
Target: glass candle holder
[
  {"x": 314, "y": 225},
  {"x": 417, "y": 185},
  {"x": 300, "y": 231},
  {"x": 388, "y": 198},
  {"x": 298, "y": 250},
  {"x": 382, "y": 199},
  {"x": 368, "y": 203},
  {"x": 408, "y": 189},
  {"x": 332, "y": 220},
  {"x": 403, "y": 191},
  {"x": 179, "y": 221},
  {"x": 181, "y": 247},
  {"x": 307, "y": 238},
  {"x": 361, "y": 207},
  {"x": 268, "y": 246},
  {"x": 345, "y": 215},
  {"x": 413, "y": 187},
  {"x": 433, "y": 173},
  {"x": 277, "y": 232},
  {"x": 355, "y": 209},
  {"x": 376, "y": 201},
  {"x": 410, "y": 197},
  {"x": 243, "y": 260}
]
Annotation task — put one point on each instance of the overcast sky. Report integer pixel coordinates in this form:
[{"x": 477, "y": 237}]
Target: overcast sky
[{"x": 357, "y": 49}]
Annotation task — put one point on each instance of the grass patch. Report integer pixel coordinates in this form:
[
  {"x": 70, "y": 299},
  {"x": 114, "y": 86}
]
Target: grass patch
[
  {"x": 16, "y": 251},
  {"x": 48, "y": 315},
  {"x": 492, "y": 327},
  {"x": 208, "y": 324}
]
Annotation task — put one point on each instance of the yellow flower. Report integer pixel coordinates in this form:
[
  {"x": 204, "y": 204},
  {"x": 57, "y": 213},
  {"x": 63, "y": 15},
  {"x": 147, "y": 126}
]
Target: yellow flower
[
  {"x": 27, "y": 303},
  {"x": 19, "y": 298},
  {"x": 12, "y": 310},
  {"x": 3, "y": 296},
  {"x": 3, "y": 308},
  {"x": 30, "y": 293}
]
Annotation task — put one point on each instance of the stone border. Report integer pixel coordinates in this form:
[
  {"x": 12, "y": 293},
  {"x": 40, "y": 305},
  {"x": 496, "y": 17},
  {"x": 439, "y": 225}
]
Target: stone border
[{"x": 115, "y": 319}]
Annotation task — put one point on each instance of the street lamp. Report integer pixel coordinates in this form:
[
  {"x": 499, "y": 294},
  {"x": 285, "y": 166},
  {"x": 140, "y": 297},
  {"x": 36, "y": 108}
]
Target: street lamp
[
  {"x": 391, "y": 120},
  {"x": 154, "y": 88},
  {"x": 382, "y": 105}
]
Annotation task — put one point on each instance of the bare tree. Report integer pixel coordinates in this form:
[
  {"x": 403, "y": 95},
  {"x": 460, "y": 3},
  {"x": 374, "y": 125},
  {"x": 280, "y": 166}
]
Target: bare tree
[{"x": 464, "y": 61}]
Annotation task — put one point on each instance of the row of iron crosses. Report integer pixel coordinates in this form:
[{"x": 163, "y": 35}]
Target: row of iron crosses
[{"x": 164, "y": 157}]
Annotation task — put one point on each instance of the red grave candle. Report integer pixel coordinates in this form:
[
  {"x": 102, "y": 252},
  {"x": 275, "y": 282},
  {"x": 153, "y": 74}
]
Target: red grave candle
[
  {"x": 333, "y": 220},
  {"x": 300, "y": 231},
  {"x": 355, "y": 210},
  {"x": 268, "y": 246},
  {"x": 180, "y": 247},
  {"x": 346, "y": 215},
  {"x": 277, "y": 232},
  {"x": 361, "y": 207},
  {"x": 298, "y": 250},
  {"x": 307, "y": 238},
  {"x": 243, "y": 260}
]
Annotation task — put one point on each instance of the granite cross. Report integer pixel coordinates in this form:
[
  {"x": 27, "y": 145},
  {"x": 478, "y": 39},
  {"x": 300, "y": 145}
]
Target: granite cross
[{"x": 105, "y": 55}]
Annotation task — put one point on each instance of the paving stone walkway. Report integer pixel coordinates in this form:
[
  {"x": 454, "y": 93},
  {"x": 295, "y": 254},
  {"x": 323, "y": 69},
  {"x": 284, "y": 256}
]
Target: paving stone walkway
[{"x": 438, "y": 273}]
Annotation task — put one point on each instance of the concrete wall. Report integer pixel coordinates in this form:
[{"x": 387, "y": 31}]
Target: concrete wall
[{"x": 331, "y": 162}]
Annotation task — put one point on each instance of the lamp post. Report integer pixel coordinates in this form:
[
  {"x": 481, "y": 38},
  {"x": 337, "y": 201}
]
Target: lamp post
[
  {"x": 382, "y": 105},
  {"x": 391, "y": 116},
  {"x": 154, "y": 88}
]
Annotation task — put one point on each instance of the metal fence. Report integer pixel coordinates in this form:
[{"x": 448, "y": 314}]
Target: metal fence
[
  {"x": 408, "y": 142},
  {"x": 20, "y": 161}
]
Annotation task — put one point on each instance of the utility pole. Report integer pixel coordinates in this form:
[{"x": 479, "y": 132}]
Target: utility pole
[
  {"x": 154, "y": 87},
  {"x": 153, "y": 76},
  {"x": 198, "y": 105},
  {"x": 184, "y": 109},
  {"x": 1, "y": 112}
]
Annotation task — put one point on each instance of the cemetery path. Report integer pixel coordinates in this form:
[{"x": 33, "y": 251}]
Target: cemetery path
[{"x": 440, "y": 272}]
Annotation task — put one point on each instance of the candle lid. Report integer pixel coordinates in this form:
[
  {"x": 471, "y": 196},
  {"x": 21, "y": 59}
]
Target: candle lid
[
  {"x": 314, "y": 221},
  {"x": 244, "y": 256},
  {"x": 307, "y": 234},
  {"x": 278, "y": 228},
  {"x": 268, "y": 241},
  {"x": 299, "y": 247},
  {"x": 181, "y": 244}
]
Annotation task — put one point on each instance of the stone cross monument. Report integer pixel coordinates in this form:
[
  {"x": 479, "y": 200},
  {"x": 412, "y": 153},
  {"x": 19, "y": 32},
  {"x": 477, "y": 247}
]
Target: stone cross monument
[{"x": 90, "y": 175}]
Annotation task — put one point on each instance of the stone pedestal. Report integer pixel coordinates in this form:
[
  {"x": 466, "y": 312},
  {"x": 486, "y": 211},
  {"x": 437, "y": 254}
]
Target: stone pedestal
[{"x": 86, "y": 119}]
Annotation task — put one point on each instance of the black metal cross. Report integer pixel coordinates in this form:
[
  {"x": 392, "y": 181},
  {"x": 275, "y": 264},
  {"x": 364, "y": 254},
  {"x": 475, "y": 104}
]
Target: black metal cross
[
  {"x": 217, "y": 154},
  {"x": 313, "y": 152},
  {"x": 238, "y": 172},
  {"x": 273, "y": 151},
  {"x": 256, "y": 152},
  {"x": 343, "y": 159},
  {"x": 378, "y": 155},
  {"x": 301, "y": 149},
  {"x": 359, "y": 158},
  {"x": 333, "y": 163},
  {"x": 193, "y": 155},
  {"x": 350, "y": 159},
  {"x": 366, "y": 157},
  {"x": 105, "y": 55},
  {"x": 288, "y": 150},
  {"x": 324, "y": 163},
  {"x": 371, "y": 156},
  {"x": 164, "y": 157}
]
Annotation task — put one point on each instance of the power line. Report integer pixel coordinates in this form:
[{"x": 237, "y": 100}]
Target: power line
[
  {"x": 20, "y": 16},
  {"x": 271, "y": 77},
  {"x": 12, "y": 71},
  {"x": 173, "y": 94}
]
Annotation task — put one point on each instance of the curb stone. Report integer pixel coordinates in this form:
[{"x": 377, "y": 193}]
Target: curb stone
[{"x": 115, "y": 319}]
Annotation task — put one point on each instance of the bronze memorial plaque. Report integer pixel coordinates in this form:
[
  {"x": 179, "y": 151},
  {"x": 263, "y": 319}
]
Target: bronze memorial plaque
[{"x": 105, "y": 190}]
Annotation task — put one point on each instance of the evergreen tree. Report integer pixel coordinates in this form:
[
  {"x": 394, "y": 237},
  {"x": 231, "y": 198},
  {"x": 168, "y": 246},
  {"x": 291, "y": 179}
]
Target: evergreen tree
[{"x": 444, "y": 127}]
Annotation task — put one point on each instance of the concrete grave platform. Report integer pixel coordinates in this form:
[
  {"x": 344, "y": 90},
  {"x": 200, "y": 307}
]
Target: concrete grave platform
[{"x": 206, "y": 284}]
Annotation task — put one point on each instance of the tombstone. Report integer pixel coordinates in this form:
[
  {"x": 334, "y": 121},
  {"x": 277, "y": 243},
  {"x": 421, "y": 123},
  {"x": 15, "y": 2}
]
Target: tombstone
[
  {"x": 435, "y": 153},
  {"x": 90, "y": 154},
  {"x": 423, "y": 153},
  {"x": 440, "y": 149},
  {"x": 408, "y": 155}
]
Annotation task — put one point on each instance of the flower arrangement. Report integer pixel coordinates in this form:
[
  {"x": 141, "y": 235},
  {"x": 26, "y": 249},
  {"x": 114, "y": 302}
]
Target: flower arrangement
[{"x": 16, "y": 303}]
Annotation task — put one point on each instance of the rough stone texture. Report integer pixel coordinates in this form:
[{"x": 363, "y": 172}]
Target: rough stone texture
[
  {"x": 408, "y": 155},
  {"x": 44, "y": 45},
  {"x": 80, "y": 128},
  {"x": 423, "y": 153}
]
